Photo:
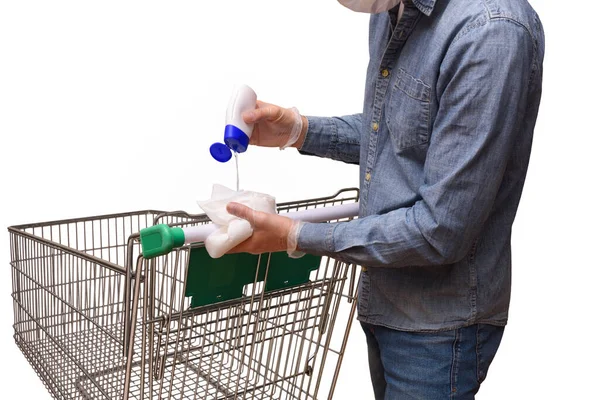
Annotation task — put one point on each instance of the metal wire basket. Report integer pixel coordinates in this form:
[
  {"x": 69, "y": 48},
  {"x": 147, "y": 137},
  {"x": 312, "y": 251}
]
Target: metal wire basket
[{"x": 96, "y": 320}]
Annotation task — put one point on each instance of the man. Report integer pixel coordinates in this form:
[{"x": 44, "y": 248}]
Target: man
[{"x": 452, "y": 93}]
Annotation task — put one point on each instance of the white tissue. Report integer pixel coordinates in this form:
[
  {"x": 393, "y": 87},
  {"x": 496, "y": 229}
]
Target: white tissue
[{"x": 232, "y": 230}]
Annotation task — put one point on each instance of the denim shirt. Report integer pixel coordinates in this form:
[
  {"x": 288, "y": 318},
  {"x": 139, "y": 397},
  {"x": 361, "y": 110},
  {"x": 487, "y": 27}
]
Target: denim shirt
[{"x": 443, "y": 143}]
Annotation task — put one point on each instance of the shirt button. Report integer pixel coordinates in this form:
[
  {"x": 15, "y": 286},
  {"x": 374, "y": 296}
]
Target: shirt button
[
  {"x": 385, "y": 73},
  {"x": 368, "y": 176},
  {"x": 364, "y": 269},
  {"x": 375, "y": 126}
]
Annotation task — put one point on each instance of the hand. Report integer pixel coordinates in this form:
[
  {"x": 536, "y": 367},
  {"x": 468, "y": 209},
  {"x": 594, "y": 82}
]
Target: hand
[
  {"x": 273, "y": 125},
  {"x": 270, "y": 231}
]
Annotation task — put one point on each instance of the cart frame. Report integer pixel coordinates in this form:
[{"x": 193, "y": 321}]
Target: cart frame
[{"x": 98, "y": 321}]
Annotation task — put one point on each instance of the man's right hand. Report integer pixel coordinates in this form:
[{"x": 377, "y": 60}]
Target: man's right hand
[{"x": 273, "y": 125}]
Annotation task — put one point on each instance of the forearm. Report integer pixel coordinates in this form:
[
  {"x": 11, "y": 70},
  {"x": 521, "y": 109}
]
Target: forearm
[
  {"x": 337, "y": 138},
  {"x": 400, "y": 238}
]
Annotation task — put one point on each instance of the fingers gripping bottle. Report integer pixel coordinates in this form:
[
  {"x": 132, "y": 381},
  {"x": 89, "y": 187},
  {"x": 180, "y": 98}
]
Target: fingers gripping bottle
[{"x": 237, "y": 132}]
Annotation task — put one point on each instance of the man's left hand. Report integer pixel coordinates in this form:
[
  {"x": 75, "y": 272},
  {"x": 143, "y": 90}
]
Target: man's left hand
[{"x": 270, "y": 231}]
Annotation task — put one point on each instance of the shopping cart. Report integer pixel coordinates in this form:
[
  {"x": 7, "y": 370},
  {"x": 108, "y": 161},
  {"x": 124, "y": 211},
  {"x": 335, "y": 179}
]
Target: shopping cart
[{"x": 97, "y": 320}]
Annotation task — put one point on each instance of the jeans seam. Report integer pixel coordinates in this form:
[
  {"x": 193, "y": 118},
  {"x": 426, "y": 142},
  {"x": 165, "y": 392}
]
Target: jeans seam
[
  {"x": 478, "y": 355},
  {"x": 478, "y": 348},
  {"x": 454, "y": 367}
]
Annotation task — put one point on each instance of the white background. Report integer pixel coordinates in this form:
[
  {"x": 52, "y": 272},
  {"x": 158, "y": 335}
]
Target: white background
[{"x": 111, "y": 106}]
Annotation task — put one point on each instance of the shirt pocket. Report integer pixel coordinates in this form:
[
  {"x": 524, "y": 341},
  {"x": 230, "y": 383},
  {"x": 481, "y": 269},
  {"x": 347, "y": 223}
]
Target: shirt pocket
[{"x": 408, "y": 112}]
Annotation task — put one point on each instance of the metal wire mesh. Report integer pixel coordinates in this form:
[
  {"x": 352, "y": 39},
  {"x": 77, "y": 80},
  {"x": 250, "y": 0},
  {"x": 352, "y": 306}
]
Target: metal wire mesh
[{"x": 97, "y": 321}]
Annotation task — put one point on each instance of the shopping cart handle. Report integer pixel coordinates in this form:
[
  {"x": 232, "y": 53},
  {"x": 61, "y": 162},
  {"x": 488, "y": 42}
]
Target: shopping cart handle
[{"x": 161, "y": 239}]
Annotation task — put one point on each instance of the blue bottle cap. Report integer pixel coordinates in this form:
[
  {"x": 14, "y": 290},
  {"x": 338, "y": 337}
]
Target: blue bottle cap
[
  {"x": 236, "y": 139},
  {"x": 220, "y": 152}
]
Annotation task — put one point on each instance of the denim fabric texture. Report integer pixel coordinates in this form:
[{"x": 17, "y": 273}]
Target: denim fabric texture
[
  {"x": 443, "y": 142},
  {"x": 430, "y": 366}
]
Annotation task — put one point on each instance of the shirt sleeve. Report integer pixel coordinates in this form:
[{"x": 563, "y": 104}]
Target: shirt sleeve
[
  {"x": 482, "y": 94},
  {"x": 337, "y": 138}
]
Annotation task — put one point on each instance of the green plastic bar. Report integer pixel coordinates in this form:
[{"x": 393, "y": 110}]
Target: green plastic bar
[{"x": 160, "y": 239}]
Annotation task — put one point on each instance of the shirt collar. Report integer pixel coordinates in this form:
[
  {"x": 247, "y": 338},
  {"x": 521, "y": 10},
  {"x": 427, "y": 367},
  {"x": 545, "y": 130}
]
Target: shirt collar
[{"x": 425, "y": 6}]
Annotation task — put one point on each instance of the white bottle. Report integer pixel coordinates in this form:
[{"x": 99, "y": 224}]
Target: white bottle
[{"x": 237, "y": 132}]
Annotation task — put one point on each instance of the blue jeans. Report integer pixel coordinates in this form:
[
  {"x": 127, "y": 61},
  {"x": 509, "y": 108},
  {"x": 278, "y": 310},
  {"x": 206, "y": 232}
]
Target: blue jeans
[{"x": 430, "y": 366}]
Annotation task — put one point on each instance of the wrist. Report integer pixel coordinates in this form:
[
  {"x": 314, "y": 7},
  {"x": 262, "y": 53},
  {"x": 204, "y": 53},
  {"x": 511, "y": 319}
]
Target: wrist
[
  {"x": 292, "y": 240},
  {"x": 295, "y": 130},
  {"x": 298, "y": 144}
]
